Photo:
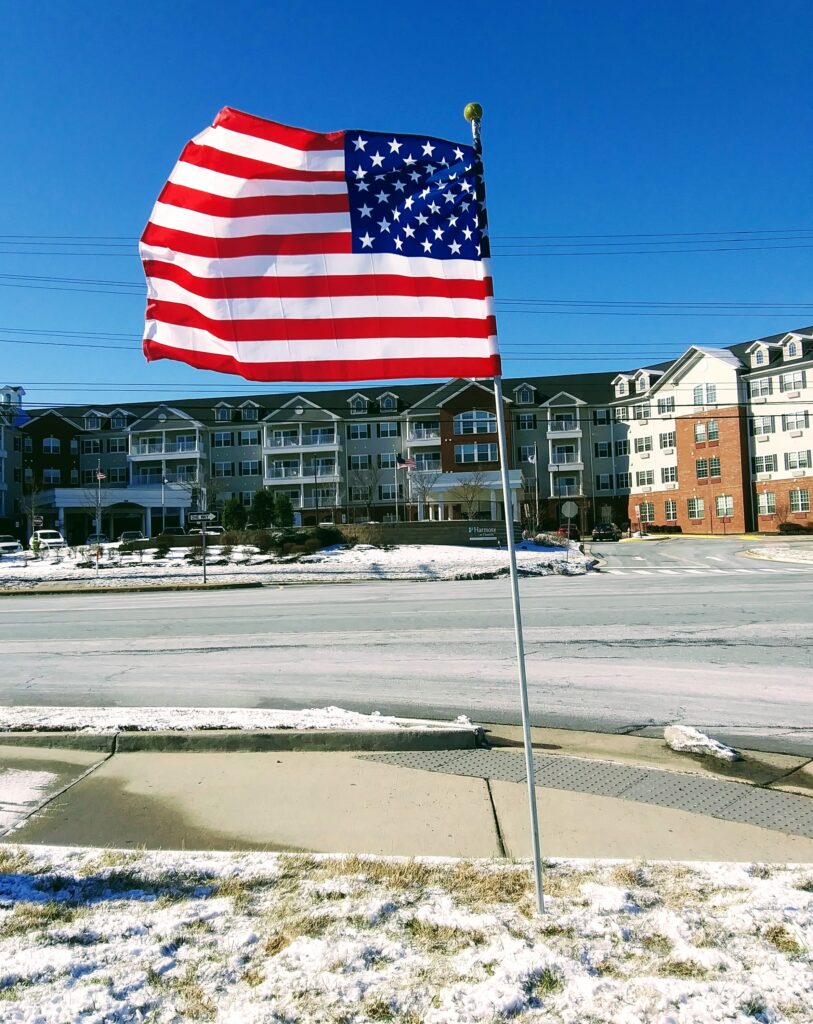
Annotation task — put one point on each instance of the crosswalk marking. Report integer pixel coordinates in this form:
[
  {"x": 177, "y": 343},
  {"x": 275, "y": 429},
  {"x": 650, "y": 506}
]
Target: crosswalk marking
[{"x": 634, "y": 570}]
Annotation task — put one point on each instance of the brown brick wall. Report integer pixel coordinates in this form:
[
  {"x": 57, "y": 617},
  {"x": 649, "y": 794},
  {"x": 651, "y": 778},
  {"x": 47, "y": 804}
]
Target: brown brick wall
[
  {"x": 732, "y": 450},
  {"x": 782, "y": 489},
  {"x": 471, "y": 398}
]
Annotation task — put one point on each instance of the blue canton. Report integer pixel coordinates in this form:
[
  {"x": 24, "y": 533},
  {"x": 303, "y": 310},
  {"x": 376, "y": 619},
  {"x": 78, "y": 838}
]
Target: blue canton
[{"x": 412, "y": 196}]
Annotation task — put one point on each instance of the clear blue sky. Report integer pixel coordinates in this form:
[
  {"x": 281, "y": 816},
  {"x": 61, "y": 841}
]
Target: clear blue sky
[{"x": 600, "y": 119}]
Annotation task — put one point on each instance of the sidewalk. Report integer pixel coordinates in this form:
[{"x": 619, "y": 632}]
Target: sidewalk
[{"x": 469, "y": 803}]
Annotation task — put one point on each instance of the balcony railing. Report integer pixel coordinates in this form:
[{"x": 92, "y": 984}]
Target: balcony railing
[
  {"x": 153, "y": 480},
  {"x": 307, "y": 441},
  {"x": 427, "y": 467},
  {"x": 170, "y": 448},
  {"x": 564, "y": 460},
  {"x": 428, "y": 434},
  {"x": 319, "y": 471},
  {"x": 566, "y": 491},
  {"x": 281, "y": 473},
  {"x": 309, "y": 501},
  {"x": 560, "y": 426}
]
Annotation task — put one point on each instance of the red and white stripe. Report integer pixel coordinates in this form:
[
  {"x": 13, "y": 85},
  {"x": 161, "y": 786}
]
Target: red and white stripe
[{"x": 250, "y": 270}]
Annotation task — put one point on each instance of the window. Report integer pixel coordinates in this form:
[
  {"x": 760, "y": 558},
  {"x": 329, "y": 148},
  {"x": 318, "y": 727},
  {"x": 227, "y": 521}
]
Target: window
[
  {"x": 74, "y": 446},
  {"x": 711, "y": 394},
  {"x": 117, "y": 476},
  {"x": 526, "y": 421},
  {"x": 760, "y": 388},
  {"x": 358, "y": 493},
  {"x": 604, "y": 482},
  {"x": 51, "y": 477},
  {"x": 622, "y": 448},
  {"x": 524, "y": 396},
  {"x": 641, "y": 412},
  {"x": 724, "y": 505},
  {"x": 764, "y": 463},
  {"x": 643, "y": 444},
  {"x": 526, "y": 453},
  {"x": 117, "y": 445},
  {"x": 476, "y": 421},
  {"x": 642, "y": 384},
  {"x": 766, "y": 504},
  {"x": 389, "y": 428},
  {"x": 222, "y": 414},
  {"x": 118, "y": 422},
  {"x": 51, "y": 445},
  {"x": 602, "y": 449},
  {"x": 621, "y": 388},
  {"x": 89, "y": 476},
  {"x": 601, "y": 417},
  {"x": 792, "y": 350},
  {"x": 387, "y": 403},
  {"x": 250, "y": 467},
  {"x": 702, "y": 468},
  {"x": 357, "y": 462},
  {"x": 475, "y": 453},
  {"x": 761, "y": 425},
  {"x": 358, "y": 431},
  {"x": 714, "y": 468},
  {"x": 697, "y": 508},
  {"x": 622, "y": 413},
  {"x": 386, "y": 460},
  {"x": 705, "y": 395},
  {"x": 91, "y": 446},
  {"x": 699, "y": 433},
  {"x": 793, "y": 381},
  {"x": 249, "y": 437},
  {"x": 647, "y": 512},
  {"x": 666, "y": 405},
  {"x": 623, "y": 481},
  {"x": 713, "y": 430},
  {"x": 246, "y": 498},
  {"x": 759, "y": 358},
  {"x": 800, "y": 501},
  {"x": 797, "y": 460},
  {"x": 358, "y": 405},
  {"x": 697, "y": 395},
  {"x": 427, "y": 460},
  {"x": 670, "y": 510},
  {"x": 645, "y": 478},
  {"x": 669, "y": 475},
  {"x": 92, "y": 422},
  {"x": 795, "y": 420},
  {"x": 222, "y": 439},
  {"x": 220, "y": 469},
  {"x": 667, "y": 440},
  {"x": 249, "y": 413},
  {"x": 386, "y": 492},
  {"x": 28, "y": 445}
]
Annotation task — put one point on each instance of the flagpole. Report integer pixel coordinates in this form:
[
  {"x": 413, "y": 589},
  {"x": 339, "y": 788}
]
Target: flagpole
[{"x": 473, "y": 112}]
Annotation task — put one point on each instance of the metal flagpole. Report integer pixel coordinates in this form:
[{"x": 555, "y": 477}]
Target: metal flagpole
[
  {"x": 536, "y": 486},
  {"x": 473, "y": 113}
]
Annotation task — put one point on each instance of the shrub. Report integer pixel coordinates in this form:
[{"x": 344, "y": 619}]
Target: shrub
[
  {"x": 327, "y": 535},
  {"x": 161, "y": 549},
  {"x": 312, "y": 545},
  {"x": 793, "y": 528},
  {"x": 226, "y": 552},
  {"x": 234, "y": 514}
]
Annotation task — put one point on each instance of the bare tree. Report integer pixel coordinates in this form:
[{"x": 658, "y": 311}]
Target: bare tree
[
  {"x": 422, "y": 483},
  {"x": 30, "y": 503},
  {"x": 365, "y": 483},
  {"x": 467, "y": 492}
]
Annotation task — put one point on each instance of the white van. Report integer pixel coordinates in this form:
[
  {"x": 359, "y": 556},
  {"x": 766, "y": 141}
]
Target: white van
[{"x": 48, "y": 539}]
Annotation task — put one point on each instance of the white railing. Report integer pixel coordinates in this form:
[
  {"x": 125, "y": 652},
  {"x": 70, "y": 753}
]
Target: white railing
[
  {"x": 310, "y": 502},
  {"x": 423, "y": 435},
  {"x": 170, "y": 448},
  {"x": 564, "y": 460},
  {"x": 566, "y": 490},
  {"x": 319, "y": 471},
  {"x": 307, "y": 441},
  {"x": 281, "y": 474},
  {"x": 559, "y": 426}
]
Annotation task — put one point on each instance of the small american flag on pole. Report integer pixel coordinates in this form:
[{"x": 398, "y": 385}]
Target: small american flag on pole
[
  {"x": 281, "y": 254},
  {"x": 100, "y": 475},
  {"x": 405, "y": 462}
]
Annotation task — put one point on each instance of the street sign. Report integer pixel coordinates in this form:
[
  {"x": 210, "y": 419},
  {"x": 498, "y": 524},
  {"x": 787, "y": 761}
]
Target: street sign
[
  {"x": 38, "y": 521},
  {"x": 201, "y": 517},
  {"x": 570, "y": 509}
]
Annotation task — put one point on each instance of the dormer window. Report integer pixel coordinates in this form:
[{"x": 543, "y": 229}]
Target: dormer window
[
  {"x": 759, "y": 357},
  {"x": 222, "y": 414},
  {"x": 117, "y": 422},
  {"x": 92, "y": 422},
  {"x": 642, "y": 384},
  {"x": 621, "y": 388},
  {"x": 358, "y": 405},
  {"x": 387, "y": 403},
  {"x": 792, "y": 350},
  {"x": 249, "y": 413},
  {"x": 524, "y": 396}
]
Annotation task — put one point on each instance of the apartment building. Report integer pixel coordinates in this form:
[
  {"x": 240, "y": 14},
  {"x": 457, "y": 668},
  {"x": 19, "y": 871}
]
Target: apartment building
[
  {"x": 715, "y": 441},
  {"x": 11, "y": 419}
]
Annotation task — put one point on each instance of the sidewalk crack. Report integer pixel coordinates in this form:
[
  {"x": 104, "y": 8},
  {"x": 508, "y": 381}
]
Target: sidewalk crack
[{"x": 497, "y": 829}]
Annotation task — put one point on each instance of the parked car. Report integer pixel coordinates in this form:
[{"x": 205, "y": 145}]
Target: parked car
[
  {"x": 9, "y": 545},
  {"x": 569, "y": 530},
  {"x": 606, "y": 531},
  {"x": 173, "y": 531},
  {"x": 47, "y": 539},
  {"x": 211, "y": 531},
  {"x": 97, "y": 538},
  {"x": 129, "y": 535}
]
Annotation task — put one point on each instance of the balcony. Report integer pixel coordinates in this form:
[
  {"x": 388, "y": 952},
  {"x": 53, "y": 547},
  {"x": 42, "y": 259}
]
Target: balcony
[
  {"x": 559, "y": 462},
  {"x": 305, "y": 442},
  {"x": 564, "y": 428},
  {"x": 156, "y": 449},
  {"x": 279, "y": 473},
  {"x": 154, "y": 480},
  {"x": 424, "y": 436},
  {"x": 567, "y": 491},
  {"x": 310, "y": 501}
]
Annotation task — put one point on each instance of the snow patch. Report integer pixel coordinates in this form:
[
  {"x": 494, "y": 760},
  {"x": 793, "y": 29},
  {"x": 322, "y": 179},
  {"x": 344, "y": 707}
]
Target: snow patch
[{"x": 685, "y": 739}]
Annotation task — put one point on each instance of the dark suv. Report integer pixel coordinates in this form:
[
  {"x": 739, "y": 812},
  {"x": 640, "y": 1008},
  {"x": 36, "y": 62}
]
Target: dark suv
[{"x": 606, "y": 531}]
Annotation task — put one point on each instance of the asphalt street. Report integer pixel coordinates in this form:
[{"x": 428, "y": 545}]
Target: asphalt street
[{"x": 671, "y": 631}]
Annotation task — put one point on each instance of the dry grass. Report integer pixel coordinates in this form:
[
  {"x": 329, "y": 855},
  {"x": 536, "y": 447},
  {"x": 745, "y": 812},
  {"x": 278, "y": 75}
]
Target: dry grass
[
  {"x": 682, "y": 969},
  {"x": 659, "y": 945},
  {"x": 779, "y": 936},
  {"x": 16, "y": 862},
  {"x": 630, "y": 876},
  {"x": 439, "y": 938},
  {"x": 543, "y": 983},
  {"x": 32, "y": 917}
]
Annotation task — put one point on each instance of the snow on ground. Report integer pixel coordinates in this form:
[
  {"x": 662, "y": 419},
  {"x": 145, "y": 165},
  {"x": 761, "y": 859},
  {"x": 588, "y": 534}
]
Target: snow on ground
[
  {"x": 793, "y": 551},
  {"x": 338, "y": 564},
  {"x": 97, "y": 936},
  {"x": 685, "y": 739},
  {"x": 20, "y": 791},
  {"x": 101, "y": 720}
]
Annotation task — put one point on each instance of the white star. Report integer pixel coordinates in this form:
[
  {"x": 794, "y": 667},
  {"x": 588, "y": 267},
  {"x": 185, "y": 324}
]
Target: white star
[
  {"x": 444, "y": 162},
  {"x": 382, "y": 196},
  {"x": 427, "y": 245},
  {"x": 378, "y": 159},
  {"x": 384, "y": 224},
  {"x": 449, "y": 197},
  {"x": 467, "y": 233},
  {"x": 409, "y": 202},
  {"x": 395, "y": 146},
  {"x": 396, "y": 214},
  {"x": 409, "y": 161},
  {"x": 360, "y": 143},
  {"x": 465, "y": 186},
  {"x": 465, "y": 206},
  {"x": 452, "y": 177},
  {"x": 399, "y": 245},
  {"x": 409, "y": 232},
  {"x": 399, "y": 186},
  {"x": 428, "y": 148},
  {"x": 433, "y": 206},
  {"x": 365, "y": 210},
  {"x": 452, "y": 221},
  {"x": 438, "y": 233},
  {"x": 455, "y": 247},
  {"x": 360, "y": 173},
  {"x": 414, "y": 175},
  {"x": 430, "y": 168},
  {"x": 363, "y": 186},
  {"x": 425, "y": 193},
  {"x": 380, "y": 177},
  {"x": 422, "y": 218},
  {"x": 458, "y": 153},
  {"x": 366, "y": 240}
]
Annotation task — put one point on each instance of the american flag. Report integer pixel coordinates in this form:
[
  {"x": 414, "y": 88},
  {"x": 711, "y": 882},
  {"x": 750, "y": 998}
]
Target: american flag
[
  {"x": 402, "y": 462},
  {"x": 100, "y": 475},
  {"x": 281, "y": 254}
]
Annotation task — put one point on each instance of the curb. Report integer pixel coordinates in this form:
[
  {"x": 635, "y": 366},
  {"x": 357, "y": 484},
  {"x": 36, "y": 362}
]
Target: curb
[
  {"x": 128, "y": 589},
  {"x": 226, "y": 741},
  {"x": 762, "y": 558}
]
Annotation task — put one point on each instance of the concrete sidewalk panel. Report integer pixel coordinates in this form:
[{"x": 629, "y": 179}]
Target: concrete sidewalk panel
[
  {"x": 583, "y": 825},
  {"x": 322, "y": 802}
]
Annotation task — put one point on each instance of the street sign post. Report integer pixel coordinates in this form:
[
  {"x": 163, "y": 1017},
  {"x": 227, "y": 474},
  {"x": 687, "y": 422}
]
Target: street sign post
[
  {"x": 569, "y": 510},
  {"x": 38, "y": 521},
  {"x": 201, "y": 517}
]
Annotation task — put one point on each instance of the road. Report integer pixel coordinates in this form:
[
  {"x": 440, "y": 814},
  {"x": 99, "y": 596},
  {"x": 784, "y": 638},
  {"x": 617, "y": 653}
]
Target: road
[{"x": 673, "y": 631}]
